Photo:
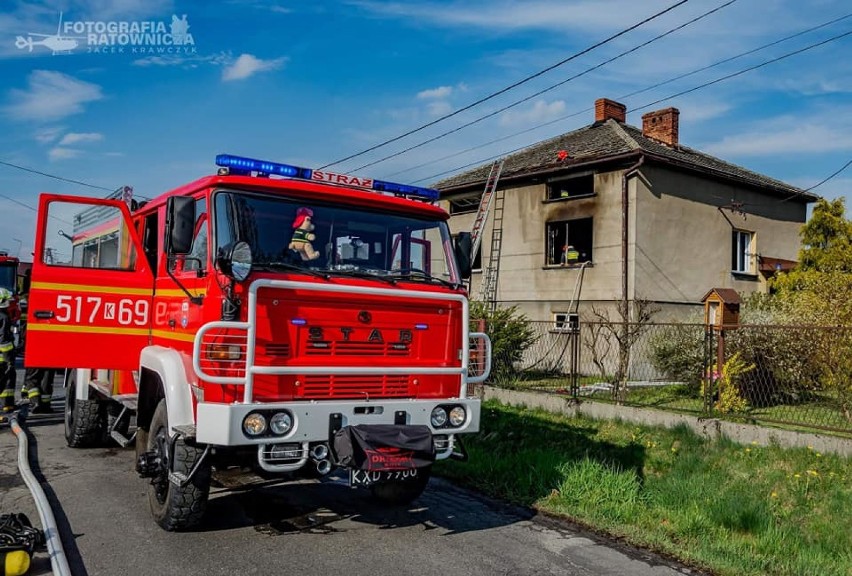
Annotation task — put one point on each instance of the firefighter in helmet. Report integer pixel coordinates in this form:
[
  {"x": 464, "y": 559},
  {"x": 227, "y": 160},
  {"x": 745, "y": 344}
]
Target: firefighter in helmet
[{"x": 7, "y": 353}]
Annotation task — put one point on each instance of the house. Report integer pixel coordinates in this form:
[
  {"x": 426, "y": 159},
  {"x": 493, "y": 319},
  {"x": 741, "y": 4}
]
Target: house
[{"x": 648, "y": 218}]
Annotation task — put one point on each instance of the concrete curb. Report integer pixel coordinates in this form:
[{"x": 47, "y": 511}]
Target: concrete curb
[{"x": 710, "y": 428}]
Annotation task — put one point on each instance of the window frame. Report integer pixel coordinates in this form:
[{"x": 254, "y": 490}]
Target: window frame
[
  {"x": 553, "y": 184},
  {"x": 567, "y": 238},
  {"x": 742, "y": 257}
]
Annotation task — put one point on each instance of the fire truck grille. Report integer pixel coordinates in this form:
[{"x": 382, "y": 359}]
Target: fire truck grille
[
  {"x": 334, "y": 386},
  {"x": 397, "y": 349},
  {"x": 276, "y": 350}
]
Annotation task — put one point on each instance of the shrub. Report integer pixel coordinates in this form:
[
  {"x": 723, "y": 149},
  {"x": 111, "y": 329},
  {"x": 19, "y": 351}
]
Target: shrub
[
  {"x": 677, "y": 352},
  {"x": 510, "y": 334}
]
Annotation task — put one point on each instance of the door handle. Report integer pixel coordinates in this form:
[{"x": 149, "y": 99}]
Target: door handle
[{"x": 44, "y": 314}]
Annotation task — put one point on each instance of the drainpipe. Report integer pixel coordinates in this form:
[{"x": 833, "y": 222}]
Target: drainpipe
[{"x": 624, "y": 211}]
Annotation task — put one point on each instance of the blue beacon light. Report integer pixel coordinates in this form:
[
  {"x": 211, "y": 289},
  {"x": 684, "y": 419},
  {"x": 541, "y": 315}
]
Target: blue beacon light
[{"x": 242, "y": 165}]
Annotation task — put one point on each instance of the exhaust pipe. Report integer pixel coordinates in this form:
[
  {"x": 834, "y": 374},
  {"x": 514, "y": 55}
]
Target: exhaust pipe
[
  {"x": 323, "y": 467},
  {"x": 319, "y": 452}
]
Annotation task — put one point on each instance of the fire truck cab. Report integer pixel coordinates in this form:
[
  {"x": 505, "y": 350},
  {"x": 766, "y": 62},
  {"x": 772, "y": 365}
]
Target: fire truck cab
[{"x": 269, "y": 316}]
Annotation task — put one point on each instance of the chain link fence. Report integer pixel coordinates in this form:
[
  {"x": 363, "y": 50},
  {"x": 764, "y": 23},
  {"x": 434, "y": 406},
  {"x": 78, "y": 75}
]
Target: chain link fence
[{"x": 796, "y": 376}]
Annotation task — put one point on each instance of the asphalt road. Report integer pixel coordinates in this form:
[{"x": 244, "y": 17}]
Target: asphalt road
[{"x": 306, "y": 528}]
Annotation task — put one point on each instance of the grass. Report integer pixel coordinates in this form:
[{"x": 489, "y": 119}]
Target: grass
[{"x": 737, "y": 510}]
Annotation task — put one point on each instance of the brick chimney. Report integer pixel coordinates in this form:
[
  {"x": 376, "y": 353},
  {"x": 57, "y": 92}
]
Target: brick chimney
[
  {"x": 662, "y": 126},
  {"x": 606, "y": 109}
]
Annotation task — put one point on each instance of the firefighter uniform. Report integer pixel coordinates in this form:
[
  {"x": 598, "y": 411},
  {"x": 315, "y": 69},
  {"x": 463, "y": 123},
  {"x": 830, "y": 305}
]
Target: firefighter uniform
[
  {"x": 39, "y": 385},
  {"x": 7, "y": 353}
]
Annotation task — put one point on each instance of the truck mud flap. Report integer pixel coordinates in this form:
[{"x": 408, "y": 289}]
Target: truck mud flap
[{"x": 380, "y": 447}]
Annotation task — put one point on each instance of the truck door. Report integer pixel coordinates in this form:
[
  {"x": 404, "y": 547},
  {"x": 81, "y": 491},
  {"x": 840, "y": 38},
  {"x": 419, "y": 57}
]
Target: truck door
[{"x": 91, "y": 290}]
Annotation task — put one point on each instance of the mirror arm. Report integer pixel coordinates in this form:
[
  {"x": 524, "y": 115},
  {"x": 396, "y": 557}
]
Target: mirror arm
[{"x": 197, "y": 300}]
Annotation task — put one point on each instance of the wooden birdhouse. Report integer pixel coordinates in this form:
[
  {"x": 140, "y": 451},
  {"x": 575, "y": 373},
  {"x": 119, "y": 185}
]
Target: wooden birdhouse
[{"x": 722, "y": 308}]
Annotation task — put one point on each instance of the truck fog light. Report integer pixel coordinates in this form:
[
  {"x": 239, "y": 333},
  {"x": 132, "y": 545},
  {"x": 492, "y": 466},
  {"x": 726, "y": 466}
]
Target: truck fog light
[
  {"x": 281, "y": 423},
  {"x": 224, "y": 352},
  {"x": 457, "y": 416},
  {"x": 439, "y": 417},
  {"x": 254, "y": 424}
]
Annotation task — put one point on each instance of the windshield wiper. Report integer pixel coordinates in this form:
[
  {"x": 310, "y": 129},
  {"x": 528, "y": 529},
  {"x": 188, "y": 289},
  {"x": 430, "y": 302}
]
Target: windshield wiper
[
  {"x": 290, "y": 266},
  {"x": 419, "y": 275},
  {"x": 364, "y": 274}
]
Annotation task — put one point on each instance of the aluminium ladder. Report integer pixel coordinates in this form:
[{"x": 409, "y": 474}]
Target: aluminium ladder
[{"x": 491, "y": 195}]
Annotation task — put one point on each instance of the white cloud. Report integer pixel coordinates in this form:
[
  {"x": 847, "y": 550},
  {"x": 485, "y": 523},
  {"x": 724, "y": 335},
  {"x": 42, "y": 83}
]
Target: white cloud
[
  {"x": 540, "y": 111},
  {"x": 80, "y": 138},
  {"x": 59, "y": 153},
  {"x": 48, "y": 134},
  {"x": 50, "y": 96},
  {"x": 439, "y": 108},
  {"x": 247, "y": 65},
  {"x": 435, "y": 93},
  {"x": 786, "y": 135}
]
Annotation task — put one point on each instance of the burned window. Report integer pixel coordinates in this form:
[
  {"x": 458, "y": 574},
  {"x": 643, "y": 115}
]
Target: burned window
[
  {"x": 464, "y": 205},
  {"x": 569, "y": 242},
  {"x": 571, "y": 187}
]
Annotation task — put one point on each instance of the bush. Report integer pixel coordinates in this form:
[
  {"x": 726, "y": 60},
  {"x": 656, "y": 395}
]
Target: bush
[
  {"x": 677, "y": 352},
  {"x": 510, "y": 334}
]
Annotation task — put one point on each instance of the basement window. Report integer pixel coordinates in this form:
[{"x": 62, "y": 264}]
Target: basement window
[
  {"x": 566, "y": 234},
  {"x": 572, "y": 187}
]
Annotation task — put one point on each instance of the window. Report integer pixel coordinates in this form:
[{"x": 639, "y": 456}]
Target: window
[
  {"x": 99, "y": 238},
  {"x": 567, "y": 234},
  {"x": 196, "y": 260},
  {"x": 742, "y": 252},
  {"x": 464, "y": 205},
  {"x": 572, "y": 187},
  {"x": 562, "y": 321}
]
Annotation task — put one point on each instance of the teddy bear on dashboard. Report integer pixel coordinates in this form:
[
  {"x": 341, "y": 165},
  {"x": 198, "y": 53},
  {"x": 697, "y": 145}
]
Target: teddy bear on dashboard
[{"x": 302, "y": 234}]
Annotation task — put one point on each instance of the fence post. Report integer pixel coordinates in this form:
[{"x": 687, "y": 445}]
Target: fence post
[
  {"x": 574, "y": 325},
  {"x": 711, "y": 359}
]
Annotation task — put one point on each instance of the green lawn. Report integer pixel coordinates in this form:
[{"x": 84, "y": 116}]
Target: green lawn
[{"x": 730, "y": 508}]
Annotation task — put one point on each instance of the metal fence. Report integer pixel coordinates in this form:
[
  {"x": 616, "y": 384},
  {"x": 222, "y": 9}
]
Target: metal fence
[{"x": 796, "y": 376}]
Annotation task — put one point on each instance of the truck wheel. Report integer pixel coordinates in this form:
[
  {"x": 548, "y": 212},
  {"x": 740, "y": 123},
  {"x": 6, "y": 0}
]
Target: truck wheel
[
  {"x": 175, "y": 508},
  {"x": 398, "y": 492},
  {"x": 84, "y": 419}
]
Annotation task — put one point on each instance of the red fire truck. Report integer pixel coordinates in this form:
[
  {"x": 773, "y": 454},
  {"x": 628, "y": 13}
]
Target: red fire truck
[{"x": 298, "y": 320}]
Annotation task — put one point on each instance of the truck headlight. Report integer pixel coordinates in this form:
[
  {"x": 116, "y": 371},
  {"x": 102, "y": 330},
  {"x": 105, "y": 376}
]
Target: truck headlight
[
  {"x": 281, "y": 423},
  {"x": 439, "y": 417},
  {"x": 254, "y": 424},
  {"x": 457, "y": 416}
]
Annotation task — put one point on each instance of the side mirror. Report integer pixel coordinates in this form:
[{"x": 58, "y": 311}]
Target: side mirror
[
  {"x": 180, "y": 224},
  {"x": 463, "y": 247},
  {"x": 235, "y": 260}
]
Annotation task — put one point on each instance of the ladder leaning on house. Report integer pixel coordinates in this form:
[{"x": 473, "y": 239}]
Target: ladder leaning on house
[{"x": 491, "y": 195}]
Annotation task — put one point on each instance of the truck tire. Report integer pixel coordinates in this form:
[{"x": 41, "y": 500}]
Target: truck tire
[
  {"x": 399, "y": 492},
  {"x": 84, "y": 419},
  {"x": 175, "y": 508}
]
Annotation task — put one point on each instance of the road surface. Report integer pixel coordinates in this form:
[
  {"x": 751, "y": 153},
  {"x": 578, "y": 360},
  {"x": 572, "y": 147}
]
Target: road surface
[{"x": 306, "y": 528}]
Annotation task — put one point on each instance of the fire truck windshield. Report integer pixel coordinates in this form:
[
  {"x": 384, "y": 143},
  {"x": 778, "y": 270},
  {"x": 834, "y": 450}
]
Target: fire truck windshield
[
  {"x": 335, "y": 239},
  {"x": 8, "y": 276}
]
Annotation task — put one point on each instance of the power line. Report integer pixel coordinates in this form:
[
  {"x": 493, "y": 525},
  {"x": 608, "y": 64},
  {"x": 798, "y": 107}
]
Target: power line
[
  {"x": 549, "y": 88},
  {"x": 27, "y": 206},
  {"x": 622, "y": 97},
  {"x": 704, "y": 85},
  {"x": 25, "y": 169},
  {"x": 507, "y": 88},
  {"x": 818, "y": 184}
]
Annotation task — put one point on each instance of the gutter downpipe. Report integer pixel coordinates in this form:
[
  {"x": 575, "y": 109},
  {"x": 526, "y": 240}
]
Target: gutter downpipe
[{"x": 631, "y": 171}]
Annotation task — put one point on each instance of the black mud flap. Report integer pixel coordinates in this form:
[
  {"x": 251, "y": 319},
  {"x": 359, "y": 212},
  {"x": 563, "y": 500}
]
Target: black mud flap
[{"x": 384, "y": 447}]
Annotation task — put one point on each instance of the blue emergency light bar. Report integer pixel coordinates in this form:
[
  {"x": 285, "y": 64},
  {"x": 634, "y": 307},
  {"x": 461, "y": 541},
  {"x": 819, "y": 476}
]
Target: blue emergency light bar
[{"x": 241, "y": 165}]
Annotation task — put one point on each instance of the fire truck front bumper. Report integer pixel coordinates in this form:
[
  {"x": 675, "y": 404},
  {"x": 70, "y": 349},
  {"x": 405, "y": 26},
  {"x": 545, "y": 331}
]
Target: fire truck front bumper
[{"x": 301, "y": 423}]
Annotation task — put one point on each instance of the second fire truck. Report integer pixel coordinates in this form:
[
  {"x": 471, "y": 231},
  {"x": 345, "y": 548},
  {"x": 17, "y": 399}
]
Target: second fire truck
[{"x": 295, "y": 319}]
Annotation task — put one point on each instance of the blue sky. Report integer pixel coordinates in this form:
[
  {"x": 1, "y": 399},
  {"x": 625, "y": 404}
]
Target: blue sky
[{"x": 310, "y": 82}]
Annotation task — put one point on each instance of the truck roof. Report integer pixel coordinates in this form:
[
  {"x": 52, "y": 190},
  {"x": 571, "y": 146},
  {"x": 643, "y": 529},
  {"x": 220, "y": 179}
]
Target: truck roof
[{"x": 309, "y": 190}]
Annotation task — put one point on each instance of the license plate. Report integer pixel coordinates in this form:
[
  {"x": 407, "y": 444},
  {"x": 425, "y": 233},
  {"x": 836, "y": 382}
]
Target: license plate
[{"x": 369, "y": 477}]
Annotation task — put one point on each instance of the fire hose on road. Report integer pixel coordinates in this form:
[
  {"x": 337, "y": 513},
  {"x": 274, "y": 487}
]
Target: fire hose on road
[{"x": 58, "y": 561}]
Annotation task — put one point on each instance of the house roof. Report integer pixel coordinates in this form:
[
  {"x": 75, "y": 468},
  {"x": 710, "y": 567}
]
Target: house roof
[{"x": 610, "y": 140}]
